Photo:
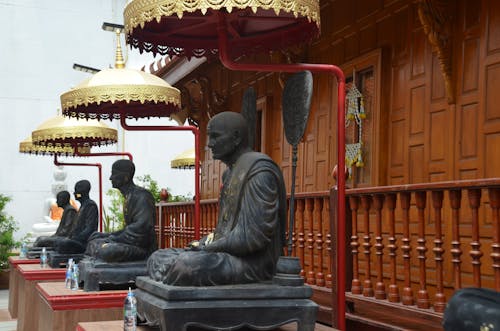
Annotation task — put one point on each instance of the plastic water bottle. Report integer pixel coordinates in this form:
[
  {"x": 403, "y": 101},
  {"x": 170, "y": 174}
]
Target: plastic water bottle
[
  {"x": 130, "y": 312},
  {"x": 43, "y": 258},
  {"x": 22, "y": 253},
  {"x": 69, "y": 274},
  {"x": 75, "y": 276}
]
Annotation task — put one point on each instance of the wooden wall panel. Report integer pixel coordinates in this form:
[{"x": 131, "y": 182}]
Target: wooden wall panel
[
  {"x": 468, "y": 132},
  {"x": 438, "y": 127},
  {"x": 492, "y": 155},
  {"x": 417, "y": 113},
  {"x": 437, "y": 88},
  {"x": 492, "y": 111},
  {"x": 493, "y": 27},
  {"x": 418, "y": 53},
  {"x": 398, "y": 148},
  {"x": 417, "y": 164},
  {"x": 470, "y": 77}
]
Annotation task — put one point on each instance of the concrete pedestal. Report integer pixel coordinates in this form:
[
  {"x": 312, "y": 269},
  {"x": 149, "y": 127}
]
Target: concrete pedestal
[
  {"x": 261, "y": 306},
  {"x": 61, "y": 309},
  {"x": 27, "y": 307},
  {"x": 14, "y": 276},
  {"x": 96, "y": 274}
]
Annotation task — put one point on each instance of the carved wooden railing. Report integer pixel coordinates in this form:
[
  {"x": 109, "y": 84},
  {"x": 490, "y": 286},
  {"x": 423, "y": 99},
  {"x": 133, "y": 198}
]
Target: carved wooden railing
[
  {"x": 311, "y": 240},
  {"x": 414, "y": 245},
  {"x": 411, "y": 246}
]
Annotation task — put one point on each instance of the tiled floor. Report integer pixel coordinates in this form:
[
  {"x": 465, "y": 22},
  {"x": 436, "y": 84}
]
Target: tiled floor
[{"x": 6, "y": 323}]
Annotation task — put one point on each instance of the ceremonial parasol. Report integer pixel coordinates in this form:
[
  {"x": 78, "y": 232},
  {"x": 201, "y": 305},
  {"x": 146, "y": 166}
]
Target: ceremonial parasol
[
  {"x": 64, "y": 133},
  {"x": 231, "y": 28},
  {"x": 185, "y": 160},
  {"x": 119, "y": 93},
  {"x": 26, "y": 146}
]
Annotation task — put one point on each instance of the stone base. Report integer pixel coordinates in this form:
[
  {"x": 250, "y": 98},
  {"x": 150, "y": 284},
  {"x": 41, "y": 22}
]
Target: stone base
[
  {"x": 97, "y": 275},
  {"x": 35, "y": 252},
  {"x": 57, "y": 260},
  {"x": 263, "y": 306}
]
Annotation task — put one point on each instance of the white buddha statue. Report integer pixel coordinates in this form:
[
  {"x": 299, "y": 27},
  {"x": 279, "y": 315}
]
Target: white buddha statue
[{"x": 51, "y": 212}]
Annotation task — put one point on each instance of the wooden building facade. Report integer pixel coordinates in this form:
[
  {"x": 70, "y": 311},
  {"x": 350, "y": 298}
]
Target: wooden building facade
[{"x": 424, "y": 198}]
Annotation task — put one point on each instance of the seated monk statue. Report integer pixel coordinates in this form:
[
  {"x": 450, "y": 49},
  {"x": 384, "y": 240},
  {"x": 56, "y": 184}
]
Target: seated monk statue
[
  {"x": 86, "y": 222},
  {"x": 249, "y": 236},
  {"x": 137, "y": 240},
  {"x": 65, "y": 226}
]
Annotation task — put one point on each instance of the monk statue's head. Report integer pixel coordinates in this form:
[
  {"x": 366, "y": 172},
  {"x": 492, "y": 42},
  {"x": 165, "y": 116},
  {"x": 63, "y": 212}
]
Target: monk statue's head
[
  {"x": 122, "y": 173},
  {"x": 62, "y": 198},
  {"x": 227, "y": 136},
  {"x": 82, "y": 189}
]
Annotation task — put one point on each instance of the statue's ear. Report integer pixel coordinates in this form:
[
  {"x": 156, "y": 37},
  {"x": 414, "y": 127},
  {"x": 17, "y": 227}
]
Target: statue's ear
[{"x": 237, "y": 137}]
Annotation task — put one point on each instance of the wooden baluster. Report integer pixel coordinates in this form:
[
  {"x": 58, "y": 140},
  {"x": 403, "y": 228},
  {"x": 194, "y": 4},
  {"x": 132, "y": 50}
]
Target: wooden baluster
[
  {"x": 310, "y": 239},
  {"x": 176, "y": 226},
  {"x": 327, "y": 266},
  {"x": 328, "y": 278},
  {"x": 407, "y": 297},
  {"x": 423, "y": 295},
  {"x": 456, "y": 252},
  {"x": 393, "y": 287},
  {"x": 475, "y": 253},
  {"x": 439, "y": 298},
  {"x": 366, "y": 202},
  {"x": 168, "y": 227},
  {"x": 317, "y": 220},
  {"x": 356, "y": 287},
  {"x": 494, "y": 195},
  {"x": 378, "y": 203},
  {"x": 299, "y": 225}
]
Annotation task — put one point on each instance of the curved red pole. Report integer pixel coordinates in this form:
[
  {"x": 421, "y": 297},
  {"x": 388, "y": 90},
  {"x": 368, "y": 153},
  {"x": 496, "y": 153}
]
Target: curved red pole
[
  {"x": 99, "y": 167},
  {"x": 319, "y": 68},
  {"x": 196, "y": 133}
]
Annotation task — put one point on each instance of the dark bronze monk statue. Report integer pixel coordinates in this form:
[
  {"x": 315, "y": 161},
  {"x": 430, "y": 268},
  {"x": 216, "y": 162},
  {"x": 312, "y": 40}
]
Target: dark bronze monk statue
[
  {"x": 138, "y": 239},
  {"x": 249, "y": 235},
  {"x": 66, "y": 224},
  {"x": 85, "y": 223}
]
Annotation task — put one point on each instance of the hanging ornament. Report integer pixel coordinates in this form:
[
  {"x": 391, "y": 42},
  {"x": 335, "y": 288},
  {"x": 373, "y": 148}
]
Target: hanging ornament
[{"x": 355, "y": 111}]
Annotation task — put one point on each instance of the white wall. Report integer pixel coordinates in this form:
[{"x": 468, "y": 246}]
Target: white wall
[{"x": 40, "y": 42}]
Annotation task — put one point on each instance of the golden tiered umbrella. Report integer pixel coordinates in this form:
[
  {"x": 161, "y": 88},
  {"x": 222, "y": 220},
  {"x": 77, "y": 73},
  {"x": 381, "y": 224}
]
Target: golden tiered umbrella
[
  {"x": 185, "y": 160},
  {"x": 59, "y": 131},
  {"x": 122, "y": 93},
  {"x": 231, "y": 28},
  {"x": 26, "y": 146},
  {"x": 64, "y": 133}
]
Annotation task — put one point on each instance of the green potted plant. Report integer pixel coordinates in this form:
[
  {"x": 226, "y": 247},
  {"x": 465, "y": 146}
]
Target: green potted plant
[{"x": 7, "y": 242}]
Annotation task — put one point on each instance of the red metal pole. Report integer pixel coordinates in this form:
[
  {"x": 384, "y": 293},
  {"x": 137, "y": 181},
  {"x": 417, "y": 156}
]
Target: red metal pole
[
  {"x": 196, "y": 133},
  {"x": 99, "y": 168},
  {"x": 129, "y": 155},
  {"x": 337, "y": 72}
]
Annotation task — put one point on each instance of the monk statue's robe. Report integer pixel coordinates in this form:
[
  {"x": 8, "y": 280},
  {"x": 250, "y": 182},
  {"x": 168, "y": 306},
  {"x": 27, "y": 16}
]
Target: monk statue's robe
[
  {"x": 138, "y": 238},
  {"x": 63, "y": 230},
  {"x": 249, "y": 235},
  {"x": 86, "y": 222}
]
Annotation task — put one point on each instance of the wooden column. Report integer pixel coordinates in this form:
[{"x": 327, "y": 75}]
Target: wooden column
[
  {"x": 494, "y": 195},
  {"x": 356, "y": 287},
  {"x": 378, "y": 203},
  {"x": 393, "y": 287},
  {"x": 423, "y": 296},
  {"x": 456, "y": 252},
  {"x": 439, "y": 298},
  {"x": 475, "y": 253},
  {"x": 407, "y": 298},
  {"x": 366, "y": 202}
]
